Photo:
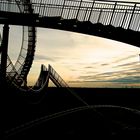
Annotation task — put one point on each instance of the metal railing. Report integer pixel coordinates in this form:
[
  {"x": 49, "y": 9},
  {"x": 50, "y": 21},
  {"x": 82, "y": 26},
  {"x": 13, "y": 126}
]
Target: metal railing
[
  {"x": 115, "y": 13},
  {"x": 9, "y": 6},
  {"x": 56, "y": 77}
]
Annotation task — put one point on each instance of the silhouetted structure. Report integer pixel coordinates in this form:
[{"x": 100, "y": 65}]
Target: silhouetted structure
[{"x": 115, "y": 20}]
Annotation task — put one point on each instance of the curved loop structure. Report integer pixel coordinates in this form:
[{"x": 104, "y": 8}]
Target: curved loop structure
[
  {"x": 26, "y": 55},
  {"x": 17, "y": 74},
  {"x": 101, "y": 18}
]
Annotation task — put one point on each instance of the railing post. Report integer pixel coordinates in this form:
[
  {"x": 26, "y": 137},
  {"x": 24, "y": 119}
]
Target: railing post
[
  {"x": 40, "y": 6},
  {"x": 84, "y": 19},
  {"x": 91, "y": 10},
  {"x": 132, "y": 16},
  {"x": 68, "y": 13},
  {"x": 63, "y": 7},
  {"x": 113, "y": 13},
  {"x": 99, "y": 16},
  {"x": 78, "y": 9},
  {"x": 124, "y": 19},
  {"x": 4, "y": 50}
]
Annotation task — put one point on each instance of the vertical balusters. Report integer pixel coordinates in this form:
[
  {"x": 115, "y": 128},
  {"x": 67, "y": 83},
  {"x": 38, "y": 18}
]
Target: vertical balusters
[
  {"x": 124, "y": 18},
  {"x": 138, "y": 21},
  {"x": 84, "y": 17},
  {"x": 40, "y": 6},
  {"x": 113, "y": 13},
  {"x": 63, "y": 7},
  {"x": 78, "y": 10},
  {"x": 99, "y": 17},
  {"x": 131, "y": 16},
  {"x": 91, "y": 11}
]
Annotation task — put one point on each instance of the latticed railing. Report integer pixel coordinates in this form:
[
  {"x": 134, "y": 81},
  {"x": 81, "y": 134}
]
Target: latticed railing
[
  {"x": 59, "y": 82},
  {"x": 56, "y": 78},
  {"x": 16, "y": 6},
  {"x": 115, "y": 13}
]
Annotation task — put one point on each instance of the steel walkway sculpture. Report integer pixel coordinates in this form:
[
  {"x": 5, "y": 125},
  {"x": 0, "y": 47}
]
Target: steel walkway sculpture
[
  {"x": 17, "y": 74},
  {"x": 105, "y": 18},
  {"x": 102, "y": 18}
]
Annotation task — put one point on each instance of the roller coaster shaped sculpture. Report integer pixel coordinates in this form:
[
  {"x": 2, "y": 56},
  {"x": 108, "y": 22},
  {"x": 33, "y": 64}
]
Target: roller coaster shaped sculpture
[
  {"x": 78, "y": 14},
  {"x": 121, "y": 15},
  {"x": 17, "y": 74}
]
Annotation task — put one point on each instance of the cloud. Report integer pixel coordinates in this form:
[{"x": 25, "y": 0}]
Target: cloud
[
  {"x": 127, "y": 64},
  {"x": 129, "y": 79},
  {"x": 89, "y": 67},
  {"x": 111, "y": 75},
  {"x": 50, "y": 38},
  {"x": 125, "y": 58},
  {"x": 44, "y": 57},
  {"x": 105, "y": 64}
]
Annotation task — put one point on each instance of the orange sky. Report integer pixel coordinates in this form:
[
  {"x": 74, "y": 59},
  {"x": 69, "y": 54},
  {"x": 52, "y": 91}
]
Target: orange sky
[{"x": 81, "y": 60}]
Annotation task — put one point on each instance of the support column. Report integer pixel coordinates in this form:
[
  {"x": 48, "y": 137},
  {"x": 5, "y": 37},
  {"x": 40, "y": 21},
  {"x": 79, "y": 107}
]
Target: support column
[{"x": 4, "y": 50}]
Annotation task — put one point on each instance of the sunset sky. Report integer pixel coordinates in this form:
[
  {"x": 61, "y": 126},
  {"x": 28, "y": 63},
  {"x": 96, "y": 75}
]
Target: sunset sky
[{"x": 81, "y": 60}]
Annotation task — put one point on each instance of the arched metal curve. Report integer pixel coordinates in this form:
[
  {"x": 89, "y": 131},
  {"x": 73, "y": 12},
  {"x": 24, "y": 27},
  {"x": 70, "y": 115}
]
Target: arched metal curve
[
  {"x": 20, "y": 70},
  {"x": 17, "y": 74}
]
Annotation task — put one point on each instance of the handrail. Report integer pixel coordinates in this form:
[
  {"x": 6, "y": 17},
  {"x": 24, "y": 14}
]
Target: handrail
[
  {"x": 116, "y": 13},
  {"x": 57, "y": 77}
]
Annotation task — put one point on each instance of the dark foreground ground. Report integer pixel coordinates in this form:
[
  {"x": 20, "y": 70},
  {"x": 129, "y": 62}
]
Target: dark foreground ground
[{"x": 57, "y": 113}]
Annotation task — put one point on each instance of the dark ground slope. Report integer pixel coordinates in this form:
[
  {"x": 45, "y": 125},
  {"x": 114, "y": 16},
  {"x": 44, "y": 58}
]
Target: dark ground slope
[{"x": 57, "y": 113}]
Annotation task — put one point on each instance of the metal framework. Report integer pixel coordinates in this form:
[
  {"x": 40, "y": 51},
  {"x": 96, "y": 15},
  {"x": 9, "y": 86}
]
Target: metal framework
[
  {"x": 75, "y": 15},
  {"x": 87, "y": 16},
  {"x": 116, "y": 13}
]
